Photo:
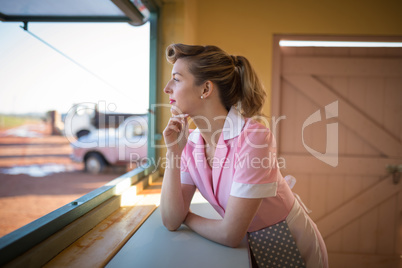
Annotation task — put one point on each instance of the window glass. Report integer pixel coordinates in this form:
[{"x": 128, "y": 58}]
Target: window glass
[{"x": 96, "y": 72}]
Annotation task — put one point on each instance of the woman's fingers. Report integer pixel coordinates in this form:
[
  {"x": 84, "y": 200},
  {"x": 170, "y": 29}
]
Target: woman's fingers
[
  {"x": 173, "y": 133},
  {"x": 179, "y": 119},
  {"x": 174, "y": 128},
  {"x": 177, "y": 122},
  {"x": 179, "y": 115}
]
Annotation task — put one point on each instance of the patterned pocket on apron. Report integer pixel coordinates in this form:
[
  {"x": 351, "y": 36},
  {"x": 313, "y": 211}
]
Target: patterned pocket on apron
[{"x": 275, "y": 246}]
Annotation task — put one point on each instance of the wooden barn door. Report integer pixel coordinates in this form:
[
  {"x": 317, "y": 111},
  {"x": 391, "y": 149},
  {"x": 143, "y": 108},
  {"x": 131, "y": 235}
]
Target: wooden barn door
[{"x": 343, "y": 127}]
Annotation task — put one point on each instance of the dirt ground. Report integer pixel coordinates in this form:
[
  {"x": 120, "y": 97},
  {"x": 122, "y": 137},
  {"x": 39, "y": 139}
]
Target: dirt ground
[{"x": 27, "y": 154}]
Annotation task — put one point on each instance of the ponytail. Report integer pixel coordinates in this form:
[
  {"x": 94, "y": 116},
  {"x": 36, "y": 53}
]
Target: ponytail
[
  {"x": 252, "y": 92},
  {"x": 237, "y": 81}
]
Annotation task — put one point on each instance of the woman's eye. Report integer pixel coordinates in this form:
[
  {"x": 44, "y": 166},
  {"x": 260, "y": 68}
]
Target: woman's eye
[{"x": 175, "y": 79}]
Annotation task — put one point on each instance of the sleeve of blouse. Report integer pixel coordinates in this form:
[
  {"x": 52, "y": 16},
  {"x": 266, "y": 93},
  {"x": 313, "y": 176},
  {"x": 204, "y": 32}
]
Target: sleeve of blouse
[
  {"x": 256, "y": 168},
  {"x": 185, "y": 176}
]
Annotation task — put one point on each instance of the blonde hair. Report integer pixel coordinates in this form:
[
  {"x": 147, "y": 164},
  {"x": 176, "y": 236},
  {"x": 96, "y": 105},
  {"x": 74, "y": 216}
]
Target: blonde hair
[{"x": 237, "y": 81}]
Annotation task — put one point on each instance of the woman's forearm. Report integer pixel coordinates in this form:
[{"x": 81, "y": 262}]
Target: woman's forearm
[
  {"x": 214, "y": 230},
  {"x": 172, "y": 201},
  {"x": 232, "y": 228}
]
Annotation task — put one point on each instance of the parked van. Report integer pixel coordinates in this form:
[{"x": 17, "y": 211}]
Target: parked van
[
  {"x": 85, "y": 117},
  {"x": 113, "y": 146}
]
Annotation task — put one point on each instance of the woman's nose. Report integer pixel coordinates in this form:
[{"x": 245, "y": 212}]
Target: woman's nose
[{"x": 167, "y": 88}]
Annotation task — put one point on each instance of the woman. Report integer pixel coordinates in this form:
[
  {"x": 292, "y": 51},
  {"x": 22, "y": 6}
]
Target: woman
[{"x": 231, "y": 159}]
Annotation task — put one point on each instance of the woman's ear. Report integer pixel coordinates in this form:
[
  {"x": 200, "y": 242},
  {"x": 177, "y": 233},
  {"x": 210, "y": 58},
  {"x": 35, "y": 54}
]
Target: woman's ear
[{"x": 209, "y": 87}]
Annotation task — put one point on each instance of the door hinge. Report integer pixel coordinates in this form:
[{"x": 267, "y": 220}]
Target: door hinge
[{"x": 395, "y": 171}]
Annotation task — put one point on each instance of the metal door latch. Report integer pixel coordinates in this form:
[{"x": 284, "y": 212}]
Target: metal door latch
[{"x": 395, "y": 171}]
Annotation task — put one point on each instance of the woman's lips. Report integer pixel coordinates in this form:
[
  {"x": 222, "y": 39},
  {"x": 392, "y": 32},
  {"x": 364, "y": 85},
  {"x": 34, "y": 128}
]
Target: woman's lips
[{"x": 172, "y": 101}]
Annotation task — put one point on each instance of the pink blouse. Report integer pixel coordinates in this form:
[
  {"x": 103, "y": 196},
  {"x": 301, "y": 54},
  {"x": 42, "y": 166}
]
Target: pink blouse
[{"x": 245, "y": 165}]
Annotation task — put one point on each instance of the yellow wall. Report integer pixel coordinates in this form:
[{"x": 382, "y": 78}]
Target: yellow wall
[{"x": 246, "y": 27}]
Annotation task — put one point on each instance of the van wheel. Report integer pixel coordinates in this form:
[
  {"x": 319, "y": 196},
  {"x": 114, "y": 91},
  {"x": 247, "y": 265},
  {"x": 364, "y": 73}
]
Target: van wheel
[
  {"x": 94, "y": 164},
  {"x": 82, "y": 133}
]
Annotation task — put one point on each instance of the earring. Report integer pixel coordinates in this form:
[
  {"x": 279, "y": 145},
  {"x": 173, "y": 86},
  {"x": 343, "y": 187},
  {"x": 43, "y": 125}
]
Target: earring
[{"x": 202, "y": 97}]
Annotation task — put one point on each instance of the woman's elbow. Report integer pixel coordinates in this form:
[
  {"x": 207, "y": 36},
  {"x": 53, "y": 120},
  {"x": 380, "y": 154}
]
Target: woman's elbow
[
  {"x": 171, "y": 226},
  {"x": 232, "y": 240},
  {"x": 233, "y": 244}
]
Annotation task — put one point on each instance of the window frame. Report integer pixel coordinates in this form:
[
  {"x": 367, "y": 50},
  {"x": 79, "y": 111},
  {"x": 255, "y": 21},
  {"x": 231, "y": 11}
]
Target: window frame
[{"x": 23, "y": 239}]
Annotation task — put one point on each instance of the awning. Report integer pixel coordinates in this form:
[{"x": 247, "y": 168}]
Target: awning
[{"x": 135, "y": 12}]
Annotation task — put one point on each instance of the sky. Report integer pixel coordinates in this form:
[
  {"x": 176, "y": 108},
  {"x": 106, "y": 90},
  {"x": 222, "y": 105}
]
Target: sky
[{"x": 35, "y": 79}]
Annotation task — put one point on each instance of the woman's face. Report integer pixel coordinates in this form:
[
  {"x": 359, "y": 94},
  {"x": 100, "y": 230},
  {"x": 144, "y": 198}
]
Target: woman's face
[{"x": 184, "y": 94}]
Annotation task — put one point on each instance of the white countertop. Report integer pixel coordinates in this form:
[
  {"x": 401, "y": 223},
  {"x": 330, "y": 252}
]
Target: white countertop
[{"x": 154, "y": 246}]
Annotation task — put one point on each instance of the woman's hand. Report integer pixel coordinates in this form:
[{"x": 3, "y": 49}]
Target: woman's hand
[{"x": 176, "y": 133}]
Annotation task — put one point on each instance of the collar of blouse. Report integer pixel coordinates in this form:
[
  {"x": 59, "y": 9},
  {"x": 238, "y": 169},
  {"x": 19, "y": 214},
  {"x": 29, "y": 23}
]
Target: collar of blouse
[{"x": 232, "y": 127}]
